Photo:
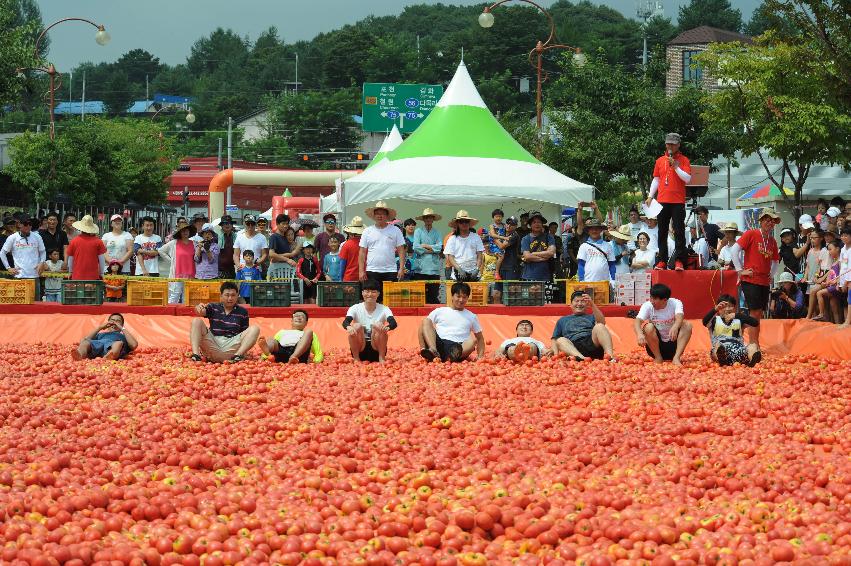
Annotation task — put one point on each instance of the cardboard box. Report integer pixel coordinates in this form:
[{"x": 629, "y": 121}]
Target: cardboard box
[
  {"x": 642, "y": 296},
  {"x": 626, "y": 298},
  {"x": 642, "y": 286}
]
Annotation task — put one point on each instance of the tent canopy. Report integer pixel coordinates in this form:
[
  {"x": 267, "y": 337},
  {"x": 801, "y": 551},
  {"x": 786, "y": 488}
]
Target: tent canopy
[
  {"x": 391, "y": 142},
  {"x": 461, "y": 157}
]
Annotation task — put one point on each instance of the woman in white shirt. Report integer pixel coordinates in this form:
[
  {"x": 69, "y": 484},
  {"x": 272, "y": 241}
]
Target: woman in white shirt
[
  {"x": 815, "y": 272},
  {"x": 644, "y": 257},
  {"x": 725, "y": 245}
]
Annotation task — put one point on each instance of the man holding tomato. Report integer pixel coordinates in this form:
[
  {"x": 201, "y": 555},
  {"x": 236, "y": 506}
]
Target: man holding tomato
[
  {"x": 583, "y": 335},
  {"x": 229, "y": 337}
]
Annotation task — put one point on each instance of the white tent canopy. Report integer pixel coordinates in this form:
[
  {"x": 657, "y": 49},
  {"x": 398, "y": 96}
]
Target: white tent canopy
[{"x": 462, "y": 158}]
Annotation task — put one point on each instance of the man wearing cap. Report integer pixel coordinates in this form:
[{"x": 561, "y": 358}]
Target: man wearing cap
[
  {"x": 582, "y": 334},
  {"x": 757, "y": 266},
  {"x": 26, "y": 248},
  {"x": 198, "y": 221},
  {"x": 428, "y": 243},
  {"x": 379, "y": 246},
  {"x": 790, "y": 252},
  {"x": 321, "y": 241},
  {"x": 227, "y": 269},
  {"x": 250, "y": 239},
  {"x": 350, "y": 250},
  {"x": 464, "y": 249},
  {"x": 596, "y": 258},
  {"x": 119, "y": 244},
  {"x": 54, "y": 238},
  {"x": 538, "y": 247},
  {"x": 86, "y": 254},
  {"x": 670, "y": 175}
]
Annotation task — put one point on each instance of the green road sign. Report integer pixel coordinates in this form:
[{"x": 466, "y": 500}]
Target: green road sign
[{"x": 385, "y": 104}]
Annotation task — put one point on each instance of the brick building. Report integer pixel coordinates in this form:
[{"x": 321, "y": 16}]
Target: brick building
[{"x": 681, "y": 51}]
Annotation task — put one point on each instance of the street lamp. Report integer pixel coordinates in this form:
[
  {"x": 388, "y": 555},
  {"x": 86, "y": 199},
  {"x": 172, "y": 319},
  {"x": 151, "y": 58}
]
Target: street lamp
[
  {"x": 190, "y": 116},
  {"x": 101, "y": 37},
  {"x": 486, "y": 20}
]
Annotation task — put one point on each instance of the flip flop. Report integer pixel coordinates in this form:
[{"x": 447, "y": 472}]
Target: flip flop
[{"x": 757, "y": 357}]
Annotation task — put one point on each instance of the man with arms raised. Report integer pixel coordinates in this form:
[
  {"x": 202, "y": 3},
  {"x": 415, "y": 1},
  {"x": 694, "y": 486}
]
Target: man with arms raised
[
  {"x": 445, "y": 332},
  {"x": 582, "y": 334},
  {"x": 660, "y": 326},
  {"x": 229, "y": 336}
]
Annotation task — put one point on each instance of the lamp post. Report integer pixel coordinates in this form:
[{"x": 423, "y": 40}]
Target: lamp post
[
  {"x": 101, "y": 37},
  {"x": 486, "y": 20},
  {"x": 190, "y": 116}
]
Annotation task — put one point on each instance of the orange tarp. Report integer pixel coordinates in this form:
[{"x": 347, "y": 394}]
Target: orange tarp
[{"x": 777, "y": 337}]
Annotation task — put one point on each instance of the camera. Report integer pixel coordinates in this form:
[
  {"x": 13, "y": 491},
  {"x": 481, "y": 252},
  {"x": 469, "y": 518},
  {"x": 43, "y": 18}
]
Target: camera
[
  {"x": 776, "y": 293},
  {"x": 207, "y": 244}
]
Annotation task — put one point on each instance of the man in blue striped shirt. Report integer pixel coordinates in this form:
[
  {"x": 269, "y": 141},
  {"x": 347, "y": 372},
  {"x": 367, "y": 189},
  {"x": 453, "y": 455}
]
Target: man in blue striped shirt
[{"x": 229, "y": 336}]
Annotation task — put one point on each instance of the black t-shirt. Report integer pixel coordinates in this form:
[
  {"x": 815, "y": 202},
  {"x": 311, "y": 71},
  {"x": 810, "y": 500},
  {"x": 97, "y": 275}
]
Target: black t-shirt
[
  {"x": 279, "y": 244},
  {"x": 511, "y": 261},
  {"x": 713, "y": 234},
  {"x": 792, "y": 263},
  {"x": 57, "y": 242}
]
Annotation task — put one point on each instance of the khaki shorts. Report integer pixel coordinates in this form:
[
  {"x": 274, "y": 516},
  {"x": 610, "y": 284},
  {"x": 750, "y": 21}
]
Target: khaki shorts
[{"x": 220, "y": 348}]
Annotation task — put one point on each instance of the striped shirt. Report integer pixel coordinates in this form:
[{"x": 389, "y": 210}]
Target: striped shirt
[{"x": 227, "y": 325}]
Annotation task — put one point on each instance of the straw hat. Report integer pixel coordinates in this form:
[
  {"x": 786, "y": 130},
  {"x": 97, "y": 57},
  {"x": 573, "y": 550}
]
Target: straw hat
[
  {"x": 428, "y": 212},
  {"x": 391, "y": 212},
  {"x": 731, "y": 227},
  {"x": 86, "y": 225},
  {"x": 180, "y": 227},
  {"x": 770, "y": 213},
  {"x": 463, "y": 215},
  {"x": 356, "y": 226},
  {"x": 622, "y": 233}
]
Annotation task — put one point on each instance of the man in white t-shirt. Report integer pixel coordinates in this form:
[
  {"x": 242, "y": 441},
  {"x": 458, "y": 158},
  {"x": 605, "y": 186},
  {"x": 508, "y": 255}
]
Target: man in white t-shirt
[
  {"x": 119, "y": 244},
  {"x": 661, "y": 326},
  {"x": 367, "y": 325},
  {"x": 445, "y": 332},
  {"x": 464, "y": 249},
  {"x": 250, "y": 239},
  {"x": 522, "y": 347},
  {"x": 596, "y": 258},
  {"x": 379, "y": 246},
  {"x": 844, "y": 283},
  {"x": 146, "y": 246}
]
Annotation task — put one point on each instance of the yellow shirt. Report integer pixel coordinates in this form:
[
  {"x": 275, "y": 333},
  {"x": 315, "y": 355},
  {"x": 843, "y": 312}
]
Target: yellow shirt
[{"x": 488, "y": 267}]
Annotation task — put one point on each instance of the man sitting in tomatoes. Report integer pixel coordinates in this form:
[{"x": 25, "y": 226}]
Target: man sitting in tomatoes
[
  {"x": 110, "y": 340},
  {"x": 582, "y": 334},
  {"x": 445, "y": 332},
  {"x": 522, "y": 347},
  {"x": 229, "y": 336}
]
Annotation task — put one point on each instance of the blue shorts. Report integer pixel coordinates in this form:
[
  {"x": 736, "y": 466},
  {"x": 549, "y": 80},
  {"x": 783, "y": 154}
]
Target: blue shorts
[{"x": 101, "y": 347}]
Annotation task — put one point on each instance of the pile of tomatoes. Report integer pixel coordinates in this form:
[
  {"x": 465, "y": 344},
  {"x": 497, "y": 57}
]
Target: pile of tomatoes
[{"x": 158, "y": 460}]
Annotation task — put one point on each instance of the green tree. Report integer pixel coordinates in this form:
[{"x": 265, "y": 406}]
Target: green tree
[
  {"x": 714, "y": 13},
  {"x": 315, "y": 121},
  {"x": 221, "y": 48},
  {"x": 775, "y": 104},
  {"x": 118, "y": 94},
  {"x": 344, "y": 51},
  {"x": 16, "y": 48},
  {"x": 173, "y": 80},
  {"x": 137, "y": 64},
  {"x": 95, "y": 161}
]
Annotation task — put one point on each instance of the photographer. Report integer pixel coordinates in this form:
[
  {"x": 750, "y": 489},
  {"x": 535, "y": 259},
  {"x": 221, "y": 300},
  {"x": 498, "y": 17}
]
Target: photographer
[
  {"x": 207, "y": 254},
  {"x": 787, "y": 301}
]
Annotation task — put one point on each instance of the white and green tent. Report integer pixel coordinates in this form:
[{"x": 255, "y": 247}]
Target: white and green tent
[
  {"x": 462, "y": 158},
  {"x": 391, "y": 142}
]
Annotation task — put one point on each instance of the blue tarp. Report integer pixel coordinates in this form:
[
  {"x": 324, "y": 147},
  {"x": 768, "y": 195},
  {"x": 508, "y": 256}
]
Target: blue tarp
[
  {"x": 171, "y": 99},
  {"x": 76, "y": 108}
]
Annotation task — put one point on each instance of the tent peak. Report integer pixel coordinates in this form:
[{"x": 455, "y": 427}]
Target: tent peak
[{"x": 461, "y": 90}]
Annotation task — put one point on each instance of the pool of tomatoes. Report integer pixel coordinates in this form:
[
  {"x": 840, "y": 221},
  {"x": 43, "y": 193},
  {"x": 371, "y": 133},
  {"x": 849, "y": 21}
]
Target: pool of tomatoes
[{"x": 159, "y": 460}]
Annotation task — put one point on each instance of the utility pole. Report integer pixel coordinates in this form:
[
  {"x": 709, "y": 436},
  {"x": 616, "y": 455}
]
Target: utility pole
[
  {"x": 146, "y": 89},
  {"x": 230, "y": 156},
  {"x": 219, "y": 160},
  {"x": 83, "y": 103},
  {"x": 729, "y": 187},
  {"x": 296, "y": 73},
  {"x": 70, "y": 94}
]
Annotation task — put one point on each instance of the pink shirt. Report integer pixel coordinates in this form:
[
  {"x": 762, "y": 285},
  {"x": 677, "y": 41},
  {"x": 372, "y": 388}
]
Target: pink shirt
[{"x": 184, "y": 259}]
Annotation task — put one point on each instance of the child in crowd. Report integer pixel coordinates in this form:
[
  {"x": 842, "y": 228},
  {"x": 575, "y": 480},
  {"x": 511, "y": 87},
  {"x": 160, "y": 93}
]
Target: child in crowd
[
  {"x": 821, "y": 214},
  {"x": 113, "y": 283},
  {"x": 489, "y": 271},
  {"x": 247, "y": 272},
  {"x": 496, "y": 233},
  {"x": 294, "y": 345},
  {"x": 53, "y": 285},
  {"x": 332, "y": 265},
  {"x": 725, "y": 331},
  {"x": 307, "y": 269},
  {"x": 207, "y": 254},
  {"x": 830, "y": 296}
]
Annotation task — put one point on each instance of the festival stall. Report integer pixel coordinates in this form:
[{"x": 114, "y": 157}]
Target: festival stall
[{"x": 462, "y": 158}]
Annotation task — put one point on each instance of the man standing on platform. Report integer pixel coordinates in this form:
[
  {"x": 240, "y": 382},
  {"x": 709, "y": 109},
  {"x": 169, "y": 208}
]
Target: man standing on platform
[
  {"x": 756, "y": 272},
  {"x": 670, "y": 175},
  {"x": 379, "y": 246}
]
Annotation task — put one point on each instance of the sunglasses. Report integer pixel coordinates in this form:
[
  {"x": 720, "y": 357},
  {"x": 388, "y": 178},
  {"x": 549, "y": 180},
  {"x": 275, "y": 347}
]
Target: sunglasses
[{"x": 330, "y": 222}]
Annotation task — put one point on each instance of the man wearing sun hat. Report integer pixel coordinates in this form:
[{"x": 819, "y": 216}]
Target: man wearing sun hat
[
  {"x": 757, "y": 266},
  {"x": 86, "y": 255},
  {"x": 670, "y": 175},
  {"x": 428, "y": 243},
  {"x": 379, "y": 246},
  {"x": 464, "y": 249},
  {"x": 350, "y": 250}
]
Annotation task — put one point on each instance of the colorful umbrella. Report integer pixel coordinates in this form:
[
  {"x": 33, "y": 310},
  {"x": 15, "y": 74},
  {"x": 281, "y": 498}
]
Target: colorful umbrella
[{"x": 766, "y": 191}]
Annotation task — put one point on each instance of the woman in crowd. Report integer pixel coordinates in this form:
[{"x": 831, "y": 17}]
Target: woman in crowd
[
  {"x": 818, "y": 263},
  {"x": 644, "y": 257}
]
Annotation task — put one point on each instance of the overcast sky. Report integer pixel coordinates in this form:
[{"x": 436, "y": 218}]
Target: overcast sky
[{"x": 168, "y": 29}]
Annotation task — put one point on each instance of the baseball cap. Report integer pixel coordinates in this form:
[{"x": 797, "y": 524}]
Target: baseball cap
[
  {"x": 249, "y": 218},
  {"x": 511, "y": 220},
  {"x": 805, "y": 218},
  {"x": 226, "y": 219},
  {"x": 785, "y": 231},
  {"x": 807, "y": 226},
  {"x": 833, "y": 212},
  {"x": 199, "y": 216},
  {"x": 116, "y": 217}
]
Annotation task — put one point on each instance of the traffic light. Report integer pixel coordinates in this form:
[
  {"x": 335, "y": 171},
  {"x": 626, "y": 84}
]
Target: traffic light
[
  {"x": 360, "y": 157},
  {"x": 185, "y": 196},
  {"x": 305, "y": 157}
]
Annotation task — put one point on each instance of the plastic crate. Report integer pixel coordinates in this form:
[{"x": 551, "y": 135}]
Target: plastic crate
[
  {"x": 599, "y": 290},
  {"x": 17, "y": 291},
  {"x": 78, "y": 292},
  {"x": 523, "y": 293},
  {"x": 478, "y": 293},
  {"x": 404, "y": 293},
  {"x": 337, "y": 293},
  {"x": 195, "y": 292},
  {"x": 271, "y": 294},
  {"x": 147, "y": 293}
]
